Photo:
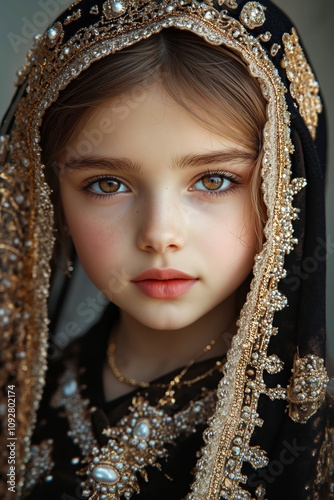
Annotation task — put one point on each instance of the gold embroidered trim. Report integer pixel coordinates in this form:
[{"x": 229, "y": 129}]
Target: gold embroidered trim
[
  {"x": 307, "y": 388},
  {"x": 304, "y": 88}
]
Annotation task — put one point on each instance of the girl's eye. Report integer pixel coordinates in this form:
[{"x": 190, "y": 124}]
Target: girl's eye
[
  {"x": 105, "y": 186},
  {"x": 214, "y": 183}
]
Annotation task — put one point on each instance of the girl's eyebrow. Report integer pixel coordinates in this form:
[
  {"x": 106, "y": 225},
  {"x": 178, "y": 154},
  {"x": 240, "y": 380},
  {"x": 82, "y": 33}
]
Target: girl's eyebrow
[
  {"x": 86, "y": 162},
  {"x": 189, "y": 161},
  {"x": 215, "y": 157}
]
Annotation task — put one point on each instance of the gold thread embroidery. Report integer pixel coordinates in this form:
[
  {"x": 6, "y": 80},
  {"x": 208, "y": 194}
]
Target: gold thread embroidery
[
  {"x": 232, "y": 4},
  {"x": 303, "y": 88},
  {"x": 73, "y": 17},
  {"x": 265, "y": 37},
  {"x": 307, "y": 388},
  {"x": 94, "y": 10},
  {"x": 275, "y": 49},
  {"x": 252, "y": 15}
]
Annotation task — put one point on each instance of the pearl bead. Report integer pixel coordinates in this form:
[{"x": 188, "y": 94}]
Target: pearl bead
[
  {"x": 105, "y": 474},
  {"x": 117, "y": 7},
  {"x": 52, "y": 34},
  {"x": 142, "y": 430}
]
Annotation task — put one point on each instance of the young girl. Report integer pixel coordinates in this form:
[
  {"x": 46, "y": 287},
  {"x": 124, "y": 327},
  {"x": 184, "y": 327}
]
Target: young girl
[{"x": 177, "y": 139}]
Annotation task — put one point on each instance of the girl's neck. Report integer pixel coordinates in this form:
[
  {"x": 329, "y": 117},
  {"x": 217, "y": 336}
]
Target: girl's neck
[{"x": 145, "y": 353}]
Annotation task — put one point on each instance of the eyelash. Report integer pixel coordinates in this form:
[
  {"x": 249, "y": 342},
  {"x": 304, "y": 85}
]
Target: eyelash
[{"x": 218, "y": 173}]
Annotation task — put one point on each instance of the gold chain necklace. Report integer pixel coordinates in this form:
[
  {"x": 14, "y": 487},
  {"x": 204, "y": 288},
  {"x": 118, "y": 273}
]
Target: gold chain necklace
[{"x": 175, "y": 383}]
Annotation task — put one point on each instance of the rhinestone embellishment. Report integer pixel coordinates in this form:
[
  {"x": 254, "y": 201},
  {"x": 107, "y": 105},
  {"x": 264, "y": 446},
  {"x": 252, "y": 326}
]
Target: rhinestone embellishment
[
  {"x": 113, "y": 9},
  {"x": 307, "y": 388},
  {"x": 53, "y": 34},
  {"x": 252, "y": 15}
]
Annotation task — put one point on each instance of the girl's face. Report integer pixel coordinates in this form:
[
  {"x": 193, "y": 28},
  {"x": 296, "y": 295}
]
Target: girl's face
[{"x": 146, "y": 187}]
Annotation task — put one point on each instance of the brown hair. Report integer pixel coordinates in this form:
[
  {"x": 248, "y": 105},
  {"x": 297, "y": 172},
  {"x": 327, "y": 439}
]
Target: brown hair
[{"x": 196, "y": 74}]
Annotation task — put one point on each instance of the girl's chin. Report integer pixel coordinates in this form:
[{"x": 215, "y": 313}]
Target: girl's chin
[{"x": 164, "y": 320}]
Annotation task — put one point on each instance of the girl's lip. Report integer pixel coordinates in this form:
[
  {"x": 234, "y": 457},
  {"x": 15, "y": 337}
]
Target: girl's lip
[
  {"x": 164, "y": 283},
  {"x": 164, "y": 288},
  {"x": 163, "y": 274}
]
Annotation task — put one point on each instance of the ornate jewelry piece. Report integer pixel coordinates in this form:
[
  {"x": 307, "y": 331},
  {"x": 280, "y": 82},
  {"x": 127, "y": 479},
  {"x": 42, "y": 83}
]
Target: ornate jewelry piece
[
  {"x": 137, "y": 441},
  {"x": 307, "y": 388}
]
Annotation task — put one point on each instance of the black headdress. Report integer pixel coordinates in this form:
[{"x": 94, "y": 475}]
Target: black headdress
[{"x": 269, "y": 436}]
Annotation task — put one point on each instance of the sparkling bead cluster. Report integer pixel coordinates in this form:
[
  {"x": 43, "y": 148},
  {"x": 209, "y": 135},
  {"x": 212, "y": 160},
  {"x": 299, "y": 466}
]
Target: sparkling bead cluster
[
  {"x": 307, "y": 387},
  {"x": 252, "y": 15},
  {"x": 304, "y": 88},
  {"x": 40, "y": 465},
  {"x": 138, "y": 440},
  {"x": 68, "y": 396}
]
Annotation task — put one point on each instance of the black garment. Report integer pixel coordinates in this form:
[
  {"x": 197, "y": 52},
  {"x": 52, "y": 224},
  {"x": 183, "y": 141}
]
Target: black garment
[{"x": 175, "y": 476}]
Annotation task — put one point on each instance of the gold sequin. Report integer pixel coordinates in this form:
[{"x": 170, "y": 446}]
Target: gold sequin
[{"x": 304, "y": 88}]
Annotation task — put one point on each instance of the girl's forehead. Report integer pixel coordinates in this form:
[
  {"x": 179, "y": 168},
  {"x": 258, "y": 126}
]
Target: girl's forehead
[
  {"x": 151, "y": 120},
  {"x": 149, "y": 109}
]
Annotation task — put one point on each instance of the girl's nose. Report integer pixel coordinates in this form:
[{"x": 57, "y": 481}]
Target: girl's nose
[{"x": 162, "y": 226}]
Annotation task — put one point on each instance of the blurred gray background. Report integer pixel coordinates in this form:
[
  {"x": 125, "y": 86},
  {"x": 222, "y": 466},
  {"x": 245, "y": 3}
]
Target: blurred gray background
[{"x": 20, "y": 20}]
